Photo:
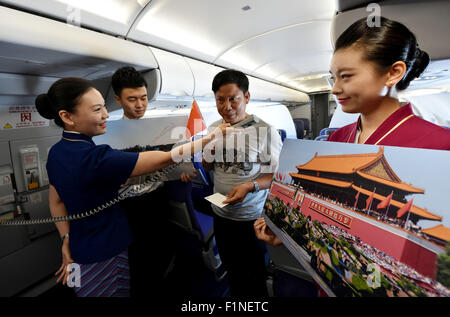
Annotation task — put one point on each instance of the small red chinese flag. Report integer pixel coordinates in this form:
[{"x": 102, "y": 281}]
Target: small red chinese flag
[
  {"x": 195, "y": 122},
  {"x": 369, "y": 200}
]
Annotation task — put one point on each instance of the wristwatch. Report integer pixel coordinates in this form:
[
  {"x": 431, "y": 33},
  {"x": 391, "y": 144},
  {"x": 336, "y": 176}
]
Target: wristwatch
[
  {"x": 63, "y": 238},
  {"x": 255, "y": 183}
]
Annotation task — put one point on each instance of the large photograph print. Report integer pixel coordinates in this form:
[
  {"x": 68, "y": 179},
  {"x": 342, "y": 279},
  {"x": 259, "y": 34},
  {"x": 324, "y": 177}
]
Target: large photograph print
[{"x": 365, "y": 220}]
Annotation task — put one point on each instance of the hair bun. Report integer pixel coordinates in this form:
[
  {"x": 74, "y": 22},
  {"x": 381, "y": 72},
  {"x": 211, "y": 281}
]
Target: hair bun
[
  {"x": 421, "y": 62},
  {"x": 45, "y": 107}
]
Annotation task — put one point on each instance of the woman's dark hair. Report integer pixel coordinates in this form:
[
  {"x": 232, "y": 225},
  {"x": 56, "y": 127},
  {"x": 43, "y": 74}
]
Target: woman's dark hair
[
  {"x": 64, "y": 94},
  {"x": 230, "y": 76},
  {"x": 127, "y": 77},
  {"x": 386, "y": 44}
]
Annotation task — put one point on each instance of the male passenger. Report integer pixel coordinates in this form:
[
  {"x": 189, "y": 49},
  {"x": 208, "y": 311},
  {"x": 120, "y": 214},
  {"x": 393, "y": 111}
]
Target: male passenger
[
  {"x": 131, "y": 92},
  {"x": 147, "y": 210},
  {"x": 130, "y": 89},
  {"x": 244, "y": 178}
]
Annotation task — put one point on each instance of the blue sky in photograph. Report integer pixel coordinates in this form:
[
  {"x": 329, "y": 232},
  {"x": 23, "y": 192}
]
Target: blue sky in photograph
[{"x": 425, "y": 169}]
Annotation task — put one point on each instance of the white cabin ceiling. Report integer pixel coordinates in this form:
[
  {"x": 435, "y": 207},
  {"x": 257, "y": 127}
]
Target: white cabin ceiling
[
  {"x": 268, "y": 41},
  {"x": 283, "y": 41},
  {"x": 277, "y": 40}
]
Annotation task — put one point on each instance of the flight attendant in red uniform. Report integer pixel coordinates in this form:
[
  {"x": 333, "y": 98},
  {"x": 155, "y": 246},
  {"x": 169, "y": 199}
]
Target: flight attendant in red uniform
[{"x": 369, "y": 66}]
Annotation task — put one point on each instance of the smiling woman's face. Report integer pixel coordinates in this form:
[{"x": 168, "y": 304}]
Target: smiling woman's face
[
  {"x": 90, "y": 114},
  {"x": 358, "y": 83}
]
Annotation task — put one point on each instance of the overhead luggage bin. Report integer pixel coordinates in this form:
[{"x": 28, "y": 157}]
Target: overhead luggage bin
[
  {"x": 203, "y": 76},
  {"x": 176, "y": 76},
  {"x": 13, "y": 85},
  {"x": 110, "y": 16},
  {"x": 416, "y": 15},
  {"x": 34, "y": 45}
]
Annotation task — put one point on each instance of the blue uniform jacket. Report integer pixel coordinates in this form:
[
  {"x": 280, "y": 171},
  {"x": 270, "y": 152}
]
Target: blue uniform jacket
[{"x": 86, "y": 176}]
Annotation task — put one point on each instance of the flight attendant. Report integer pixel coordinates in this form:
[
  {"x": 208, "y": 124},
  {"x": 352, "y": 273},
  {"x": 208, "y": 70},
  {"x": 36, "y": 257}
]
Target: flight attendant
[
  {"x": 369, "y": 66},
  {"x": 84, "y": 175}
]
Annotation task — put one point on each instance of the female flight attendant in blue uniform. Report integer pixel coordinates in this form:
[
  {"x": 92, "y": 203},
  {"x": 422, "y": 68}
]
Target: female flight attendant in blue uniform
[{"x": 84, "y": 175}]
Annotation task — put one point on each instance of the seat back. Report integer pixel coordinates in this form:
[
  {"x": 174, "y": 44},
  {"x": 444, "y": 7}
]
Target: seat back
[
  {"x": 282, "y": 134},
  {"x": 327, "y": 131},
  {"x": 299, "y": 128},
  {"x": 306, "y": 125},
  {"x": 181, "y": 209},
  {"x": 183, "y": 214},
  {"x": 321, "y": 138}
]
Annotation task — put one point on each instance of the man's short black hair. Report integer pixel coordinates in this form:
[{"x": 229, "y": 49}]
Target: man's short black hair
[
  {"x": 127, "y": 77},
  {"x": 230, "y": 76}
]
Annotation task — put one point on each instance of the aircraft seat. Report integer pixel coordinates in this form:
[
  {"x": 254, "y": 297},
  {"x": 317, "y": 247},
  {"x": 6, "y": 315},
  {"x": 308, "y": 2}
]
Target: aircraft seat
[
  {"x": 299, "y": 128},
  {"x": 282, "y": 133},
  {"x": 183, "y": 214},
  {"x": 306, "y": 125},
  {"x": 327, "y": 131},
  {"x": 321, "y": 138}
]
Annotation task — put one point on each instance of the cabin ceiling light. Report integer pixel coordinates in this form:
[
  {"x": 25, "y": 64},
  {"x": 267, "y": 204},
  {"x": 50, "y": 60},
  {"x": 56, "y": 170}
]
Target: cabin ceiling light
[
  {"x": 317, "y": 76},
  {"x": 268, "y": 72},
  {"x": 119, "y": 11},
  {"x": 143, "y": 3},
  {"x": 239, "y": 60},
  {"x": 283, "y": 78},
  {"x": 179, "y": 34}
]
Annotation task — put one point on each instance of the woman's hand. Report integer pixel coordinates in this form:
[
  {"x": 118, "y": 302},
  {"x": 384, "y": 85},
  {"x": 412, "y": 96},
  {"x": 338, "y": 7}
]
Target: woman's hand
[
  {"x": 221, "y": 130},
  {"x": 66, "y": 260},
  {"x": 264, "y": 233}
]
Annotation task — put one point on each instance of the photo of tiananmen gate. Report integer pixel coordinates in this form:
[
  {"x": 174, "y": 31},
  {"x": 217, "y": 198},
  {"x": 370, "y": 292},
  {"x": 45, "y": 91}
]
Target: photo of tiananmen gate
[{"x": 350, "y": 210}]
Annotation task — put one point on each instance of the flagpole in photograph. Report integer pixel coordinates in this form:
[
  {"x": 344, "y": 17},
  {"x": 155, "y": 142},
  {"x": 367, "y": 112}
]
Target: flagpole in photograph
[
  {"x": 389, "y": 204},
  {"x": 371, "y": 198},
  {"x": 356, "y": 201},
  {"x": 409, "y": 210},
  {"x": 405, "y": 209}
]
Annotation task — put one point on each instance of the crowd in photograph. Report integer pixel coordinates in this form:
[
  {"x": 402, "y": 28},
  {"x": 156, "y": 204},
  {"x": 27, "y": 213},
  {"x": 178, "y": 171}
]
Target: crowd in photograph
[
  {"x": 389, "y": 264},
  {"x": 406, "y": 280}
]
